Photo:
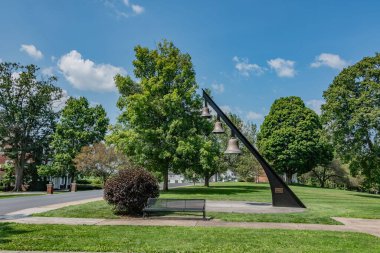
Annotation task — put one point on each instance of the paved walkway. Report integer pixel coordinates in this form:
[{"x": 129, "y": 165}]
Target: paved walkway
[
  {"x": 370, "y": 226},
  {"x": 350, "y": 224},
  {"x": 30, "y": 211},
  {"x": 9, "y": 205},
  {"x": 247, "y": 207}
]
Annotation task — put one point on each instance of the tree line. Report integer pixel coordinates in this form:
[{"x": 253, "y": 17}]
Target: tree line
[{"x": 159, "y": 127}]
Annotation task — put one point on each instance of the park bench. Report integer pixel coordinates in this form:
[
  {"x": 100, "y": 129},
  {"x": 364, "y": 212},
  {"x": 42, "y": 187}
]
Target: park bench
[{"x": 155, "y": 205}]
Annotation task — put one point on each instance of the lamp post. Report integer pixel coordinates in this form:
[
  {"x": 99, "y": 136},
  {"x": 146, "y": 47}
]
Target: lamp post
[{"x": 282, "y": 195}]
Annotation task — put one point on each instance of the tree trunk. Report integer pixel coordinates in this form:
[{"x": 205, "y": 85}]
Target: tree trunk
[
  {"x": 207, "y": 181},
  {"x": 289, "y": 177},
  {"x": 19, "y": 173},
  {"x": 166, "y": 180}
]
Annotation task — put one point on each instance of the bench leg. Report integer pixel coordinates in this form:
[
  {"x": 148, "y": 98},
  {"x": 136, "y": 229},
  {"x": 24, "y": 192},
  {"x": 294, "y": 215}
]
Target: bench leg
[{"x": 204, "y": 215}]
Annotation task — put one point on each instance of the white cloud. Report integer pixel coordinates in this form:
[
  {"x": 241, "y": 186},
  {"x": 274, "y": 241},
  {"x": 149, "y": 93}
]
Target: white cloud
[
  {"x": 226, "y": 108},
  {"x": 49, "y": 71},
  {"x": 245, "y": 68},
  {"x": 219, "y": 88},
  {"x": 330, "y": 60},
  {"x": 254, "y": 115},
  {"x": 32, "y": 51},
  {"x": 283, "y": 68},
  {"x": 315, "y": 105},
  {"x": 124, "y": 8},
  {"x": 84, "y": 74},
  {"x": 16, "y": 75},
  {"x": 137, "y": 9},
  {"x": 60, "y": 103}
]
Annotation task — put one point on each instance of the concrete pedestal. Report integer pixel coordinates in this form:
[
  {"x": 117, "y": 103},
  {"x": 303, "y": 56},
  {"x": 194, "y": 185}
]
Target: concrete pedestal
[{"x": 73, "y": 187}]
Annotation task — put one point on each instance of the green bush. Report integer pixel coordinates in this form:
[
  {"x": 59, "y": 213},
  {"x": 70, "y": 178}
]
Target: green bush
[
  {"x": 129, "y": 190},
  {"x": 83, "y": 181},
  {"x": 86, "y": 187}
]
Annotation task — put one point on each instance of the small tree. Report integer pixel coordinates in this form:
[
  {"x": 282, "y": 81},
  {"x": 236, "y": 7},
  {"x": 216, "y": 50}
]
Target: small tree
[
  {"x": 100, "y": 160},
  {"x": 330, "y": 172}
]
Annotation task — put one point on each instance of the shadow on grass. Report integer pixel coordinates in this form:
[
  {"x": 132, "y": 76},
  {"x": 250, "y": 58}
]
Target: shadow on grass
[
  {"x": 219, "y": 190},
  {"x": 169, "y": 215},
  {"x": 367, "y": 196},
  {"x": 7, "y": 230},
  {"x": 259, "y": 204}
]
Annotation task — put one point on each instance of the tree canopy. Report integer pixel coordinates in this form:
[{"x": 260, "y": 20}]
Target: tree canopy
[
  {"x": 100, "y": 160},
  {"x": 160, "y": 111},
  {"x": 351, "y": 115},
  {"x": 290, "y": 137},
  {"x": 80, "y": 125},
  {"x": 27, "y": 114}
]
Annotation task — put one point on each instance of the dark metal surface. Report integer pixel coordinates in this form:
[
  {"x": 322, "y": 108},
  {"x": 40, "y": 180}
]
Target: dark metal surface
[
  {"x": 282, "y": 195},
  {"x": 175, "y": 205}
]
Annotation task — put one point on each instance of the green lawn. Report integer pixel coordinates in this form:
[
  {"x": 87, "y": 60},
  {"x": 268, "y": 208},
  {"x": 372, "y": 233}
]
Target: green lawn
[
  {"x": 179, "y": 239},
  {"x": 15, "y": 195},
  {"x": 322, "y": 203}
]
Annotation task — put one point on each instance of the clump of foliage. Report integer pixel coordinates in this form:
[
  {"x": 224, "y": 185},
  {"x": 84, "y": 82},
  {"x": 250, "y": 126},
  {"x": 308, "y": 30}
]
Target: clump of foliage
[
  {"x": 80, "y": 125},
  {"x": 8, "y": 177},
  {"x": 129, "y": 190},
  {"x": 332, "y": 175},
  {"x": 351, "y": 116},
  {"x": 291, "y": 138},
  {"x": 99, "y": 160}
]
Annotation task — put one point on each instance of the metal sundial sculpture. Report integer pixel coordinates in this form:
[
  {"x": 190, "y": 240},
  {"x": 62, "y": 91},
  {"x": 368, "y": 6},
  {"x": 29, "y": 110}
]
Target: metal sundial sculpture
[{"x": 282, "y": 195}]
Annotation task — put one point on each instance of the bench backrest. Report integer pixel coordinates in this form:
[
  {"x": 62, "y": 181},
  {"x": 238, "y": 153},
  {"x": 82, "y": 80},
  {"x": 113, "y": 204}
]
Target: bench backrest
[{"x": 177, "y": 203}]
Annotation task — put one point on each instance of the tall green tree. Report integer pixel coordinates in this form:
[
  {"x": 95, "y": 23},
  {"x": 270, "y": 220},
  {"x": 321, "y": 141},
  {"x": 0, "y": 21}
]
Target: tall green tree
[
  {"x": 80, "y": 125},
  {"x": 291, "y": 138},
  {"x": 160, "y": 111},
  {"x": 351, "y": 116},
  {"x": 27, "y": 114}
]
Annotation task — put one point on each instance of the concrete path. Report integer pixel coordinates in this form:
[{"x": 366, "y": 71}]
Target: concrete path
[
  {"x": 247, "y": 207},
  {"x": 211, "y": 206},
  {"x": 10, "y": 205},
  {"x": 350, "y": 225},
  {"x": 30, "y": 211},
  {"x": 13, "y": 205}
]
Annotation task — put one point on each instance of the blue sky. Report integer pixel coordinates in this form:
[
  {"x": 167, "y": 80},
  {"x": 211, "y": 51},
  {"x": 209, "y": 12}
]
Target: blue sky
[{"x": 248, "y": 52}]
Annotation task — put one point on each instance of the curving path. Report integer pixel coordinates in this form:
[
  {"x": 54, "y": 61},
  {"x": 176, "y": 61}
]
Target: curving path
[{"x": 350, "y": 224}]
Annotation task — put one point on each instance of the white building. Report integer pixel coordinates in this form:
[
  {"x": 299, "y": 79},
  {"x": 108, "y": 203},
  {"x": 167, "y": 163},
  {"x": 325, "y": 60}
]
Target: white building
[{"x": 176, "y": 178}]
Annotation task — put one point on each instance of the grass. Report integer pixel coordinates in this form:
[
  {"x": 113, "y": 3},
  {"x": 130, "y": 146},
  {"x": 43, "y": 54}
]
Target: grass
[
  {"x": 14, "y": 195},
  {"x": 322, "y": 204},
  {"x": 179, "y": 239}
]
